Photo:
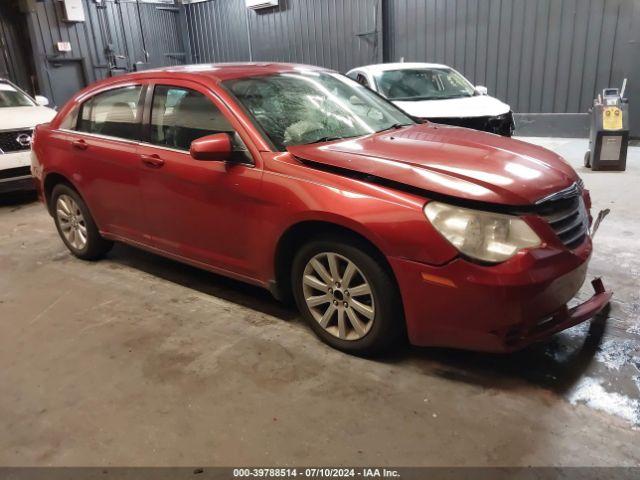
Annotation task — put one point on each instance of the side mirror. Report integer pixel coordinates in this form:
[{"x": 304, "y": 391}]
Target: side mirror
[
  {"x": 212, "y": 147},
  {"x": 480, "y": 90},
  {"x": 42, "y": 101}
]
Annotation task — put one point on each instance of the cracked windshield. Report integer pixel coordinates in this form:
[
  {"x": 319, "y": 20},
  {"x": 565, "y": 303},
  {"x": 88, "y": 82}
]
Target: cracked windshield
[
  {"x": 311, "y": 107},
  {"x": 423, "y": 84}
]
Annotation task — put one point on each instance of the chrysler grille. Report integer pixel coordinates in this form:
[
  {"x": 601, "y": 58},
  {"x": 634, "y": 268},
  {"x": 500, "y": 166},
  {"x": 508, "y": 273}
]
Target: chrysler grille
[{"x": 567, "y": 215}]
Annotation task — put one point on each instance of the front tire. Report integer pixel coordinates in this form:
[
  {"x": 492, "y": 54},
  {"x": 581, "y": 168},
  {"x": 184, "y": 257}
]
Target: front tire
[
  {"x": 76, "y": 225},
  {"x": 347, "y": 296}
]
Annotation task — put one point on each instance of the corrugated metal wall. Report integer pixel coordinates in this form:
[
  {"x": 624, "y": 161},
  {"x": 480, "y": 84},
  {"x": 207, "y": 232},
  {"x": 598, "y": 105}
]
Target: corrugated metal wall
[
  {"x": 339, "y": 34},
  {"x": 218, "y": 31},
  {"x": 537, "y": 55},
  {"x": 117, "y": 36},
  {"x": 13, "y": 50},
  {"x": 166, "y": 38}
]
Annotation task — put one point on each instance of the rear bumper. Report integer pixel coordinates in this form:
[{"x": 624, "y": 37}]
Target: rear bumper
[{"x": 498, "y": 308}]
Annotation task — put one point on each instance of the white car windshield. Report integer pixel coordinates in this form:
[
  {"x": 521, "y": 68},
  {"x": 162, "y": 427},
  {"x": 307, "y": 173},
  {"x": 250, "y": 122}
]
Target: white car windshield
[
  {"x": 308, "y": 107},
  {"x": 412, "y": 84},
  {"x": 11, "y": 97}
]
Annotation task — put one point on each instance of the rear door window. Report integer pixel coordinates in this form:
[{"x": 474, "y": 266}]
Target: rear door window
[{"x": 115, "y": 113}]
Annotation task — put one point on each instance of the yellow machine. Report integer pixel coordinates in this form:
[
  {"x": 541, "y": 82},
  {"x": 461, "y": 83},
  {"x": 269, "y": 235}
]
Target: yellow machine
[{"x": 609, "y": 135}]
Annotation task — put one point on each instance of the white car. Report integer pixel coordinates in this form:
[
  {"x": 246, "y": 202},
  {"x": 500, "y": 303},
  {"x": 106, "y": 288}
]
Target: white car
[
  {"x": 19, "y": 114},
  {"x": 437, "y": 93}
]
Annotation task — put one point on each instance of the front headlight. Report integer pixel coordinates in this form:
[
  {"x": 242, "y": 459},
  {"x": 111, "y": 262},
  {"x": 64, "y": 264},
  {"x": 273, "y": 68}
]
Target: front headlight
[{"x": 486, "y": 236}]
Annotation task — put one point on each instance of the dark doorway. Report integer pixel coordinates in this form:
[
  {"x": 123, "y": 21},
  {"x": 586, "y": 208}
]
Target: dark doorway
[{"x": 14, "y": 43}]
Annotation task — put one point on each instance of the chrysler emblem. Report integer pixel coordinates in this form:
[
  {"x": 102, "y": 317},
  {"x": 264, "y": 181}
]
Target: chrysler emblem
[{"x": 24, "y": 140}]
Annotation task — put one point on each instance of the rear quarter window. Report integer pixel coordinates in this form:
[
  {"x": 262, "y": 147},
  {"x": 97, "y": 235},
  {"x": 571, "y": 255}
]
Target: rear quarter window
[
  {"x": 71, "y": 120},
  {"x": 114, "y": 113}
]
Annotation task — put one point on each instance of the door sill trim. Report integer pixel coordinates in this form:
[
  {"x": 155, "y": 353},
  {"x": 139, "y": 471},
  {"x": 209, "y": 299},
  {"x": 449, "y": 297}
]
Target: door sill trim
[{"x": 194, "y": 263}]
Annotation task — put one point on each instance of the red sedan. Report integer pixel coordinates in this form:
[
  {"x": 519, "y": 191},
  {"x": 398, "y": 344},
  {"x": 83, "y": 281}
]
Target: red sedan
[{"x": 302, "y": 181}]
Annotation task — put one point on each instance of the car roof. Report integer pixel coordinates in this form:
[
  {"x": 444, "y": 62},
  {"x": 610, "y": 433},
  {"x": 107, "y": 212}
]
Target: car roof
[
  {"x": 225, "y": 71},
  {"x": 207, "y": 72},
  {"x": 216, "y": 72},
  {"x": 382, "y": 67}
]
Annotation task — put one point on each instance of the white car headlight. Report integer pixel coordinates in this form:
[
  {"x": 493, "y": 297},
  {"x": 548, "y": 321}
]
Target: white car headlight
[{"x": 486, "y": 236}]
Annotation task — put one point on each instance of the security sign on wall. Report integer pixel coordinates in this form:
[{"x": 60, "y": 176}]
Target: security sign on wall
[{"x": 63, "y": 46}]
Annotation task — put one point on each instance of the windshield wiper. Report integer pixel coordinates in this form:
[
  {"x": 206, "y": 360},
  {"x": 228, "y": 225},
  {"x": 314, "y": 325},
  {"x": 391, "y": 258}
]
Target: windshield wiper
[
  {"x": 395, "y": 126},
  {"x": 419, "y": 99},
  {"x": 413, "y": 99},
  {"x": 324, "y": 139}
]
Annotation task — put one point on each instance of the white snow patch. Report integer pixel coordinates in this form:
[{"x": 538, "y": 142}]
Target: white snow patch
[
  {"x": 635, "y": 329},
  {"x": 591, "y": 393},
  {"x": 616, "y": 353}
]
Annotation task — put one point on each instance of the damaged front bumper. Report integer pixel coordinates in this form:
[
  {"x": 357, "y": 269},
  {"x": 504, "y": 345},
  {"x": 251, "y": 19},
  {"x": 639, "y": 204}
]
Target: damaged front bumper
[
  {"x": 499, "y": 124},
  {"x": 499, "y": 308},
  {"x": 563, "y": 319}
]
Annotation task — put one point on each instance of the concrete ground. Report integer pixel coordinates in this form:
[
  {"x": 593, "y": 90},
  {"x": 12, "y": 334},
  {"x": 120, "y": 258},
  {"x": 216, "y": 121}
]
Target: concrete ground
[{"x": 138, "y": 360}]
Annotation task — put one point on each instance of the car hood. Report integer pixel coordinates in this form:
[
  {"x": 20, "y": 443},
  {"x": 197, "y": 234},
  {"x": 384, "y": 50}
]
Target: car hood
[
  {"x": 16, "y": 118},
  {"x": 476, "y": 106},
  {"x": 452, "y": 161}
]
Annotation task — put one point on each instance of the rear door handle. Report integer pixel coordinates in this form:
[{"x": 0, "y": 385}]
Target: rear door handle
[
  {"x": 80, "y": 144},
  {"x": 152, "y": 161}
]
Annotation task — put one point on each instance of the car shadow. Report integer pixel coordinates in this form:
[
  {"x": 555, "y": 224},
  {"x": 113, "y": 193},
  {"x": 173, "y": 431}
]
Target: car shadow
[
  {"x": 18, "y": 199},
  {"x": 209, "y": 283},
  {"x": 556, "y": 364}
]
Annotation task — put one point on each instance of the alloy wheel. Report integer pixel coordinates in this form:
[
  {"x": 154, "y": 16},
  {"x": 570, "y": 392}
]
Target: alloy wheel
[
  {"x": 71, "y": 221},
  {"x": 339, "y": 296}
]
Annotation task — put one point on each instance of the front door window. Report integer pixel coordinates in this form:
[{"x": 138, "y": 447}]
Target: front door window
[{"x": 180, "y": 116}]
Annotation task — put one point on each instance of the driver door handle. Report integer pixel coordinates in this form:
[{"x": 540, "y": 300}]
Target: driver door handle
[
  {"x": 80, "y": 144},
  {"x": 152, "y": 161}
]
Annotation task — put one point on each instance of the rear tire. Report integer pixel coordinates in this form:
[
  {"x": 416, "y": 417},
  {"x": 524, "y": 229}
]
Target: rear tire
[
  {"x": 347, "y": 295},
  {"x": 75, "y": 224}
]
